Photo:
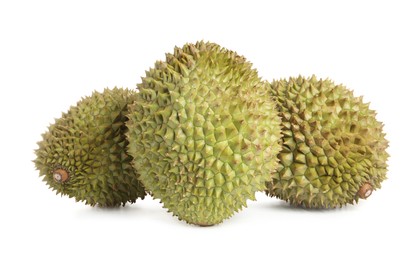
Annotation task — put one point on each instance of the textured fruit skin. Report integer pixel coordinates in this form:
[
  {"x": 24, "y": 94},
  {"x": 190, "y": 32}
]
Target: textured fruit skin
[
  {"x": 89, "y": 143},
  {"x": 203, "y": 133},
  {"x": 332, "y": 144}
]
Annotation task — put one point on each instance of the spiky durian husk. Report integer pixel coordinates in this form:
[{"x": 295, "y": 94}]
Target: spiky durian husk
[
  {"x": 203, "y": 133},
  {"x": 332, "y": 144},
  {"x": 89, "y": 143}
]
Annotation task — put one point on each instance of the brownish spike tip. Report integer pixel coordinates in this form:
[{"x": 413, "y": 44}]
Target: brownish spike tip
[{"x": 365, "y": 191}]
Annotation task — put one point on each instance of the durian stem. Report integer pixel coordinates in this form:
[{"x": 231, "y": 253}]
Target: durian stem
[
  {"x": 60, "y": 175},
  {"x": 365, "y": 191}
]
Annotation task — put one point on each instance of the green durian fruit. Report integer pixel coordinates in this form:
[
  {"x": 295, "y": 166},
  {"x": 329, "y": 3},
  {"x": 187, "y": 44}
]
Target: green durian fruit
[
  {"x": 203, "y": 133},
  {"x": 334, "y": 149},
  {"x": 83, "y": 154}
]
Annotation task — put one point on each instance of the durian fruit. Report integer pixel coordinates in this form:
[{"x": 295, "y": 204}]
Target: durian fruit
[
  {"x": 203, "y": 133},
  {"x": 83, "y": 154},
  {"x": 334, "y": 149}
]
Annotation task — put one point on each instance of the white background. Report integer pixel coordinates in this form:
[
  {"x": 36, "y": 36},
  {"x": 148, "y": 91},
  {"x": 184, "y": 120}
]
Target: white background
[{"x": 54, "y": 52}]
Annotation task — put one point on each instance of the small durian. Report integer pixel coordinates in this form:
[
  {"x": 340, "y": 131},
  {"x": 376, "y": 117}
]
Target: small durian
[
  {"x": 203, "y": 133},
  {"x": 334, "y": 149},
  {"x": 83, "y": 154}
]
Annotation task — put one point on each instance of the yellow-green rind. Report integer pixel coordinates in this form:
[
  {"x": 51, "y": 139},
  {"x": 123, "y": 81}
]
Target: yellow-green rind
[
  {"x": 332, "y": 144},
  {"x": 89, "y": 143},
  {"x": 203, "y": 133}
]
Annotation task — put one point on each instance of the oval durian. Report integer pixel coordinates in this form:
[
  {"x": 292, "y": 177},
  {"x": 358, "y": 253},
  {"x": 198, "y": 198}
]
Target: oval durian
[
  {"x": 334, "y": 149},
  {"x": 83, "y": 154},
  {"x": 203, "y": 133}
]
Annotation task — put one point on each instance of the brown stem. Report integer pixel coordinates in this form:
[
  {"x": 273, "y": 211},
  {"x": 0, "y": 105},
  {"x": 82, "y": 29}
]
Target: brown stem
[
  {"x": 60, "y": 175},
  {"x": 365, "y": 191}
]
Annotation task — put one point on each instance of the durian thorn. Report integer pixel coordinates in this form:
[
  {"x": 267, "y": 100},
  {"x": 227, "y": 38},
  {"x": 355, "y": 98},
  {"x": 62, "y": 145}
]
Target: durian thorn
[
  {"x": 60, "y": 175},
  {"x": 365, "y": 190}
]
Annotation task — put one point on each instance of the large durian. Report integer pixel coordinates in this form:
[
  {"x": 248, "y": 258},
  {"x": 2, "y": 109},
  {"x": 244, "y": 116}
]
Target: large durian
[
  {"x": 83, "y": 154},
  {"x": 334, "y": 149},
  {"x": 203, "y": 133}
]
